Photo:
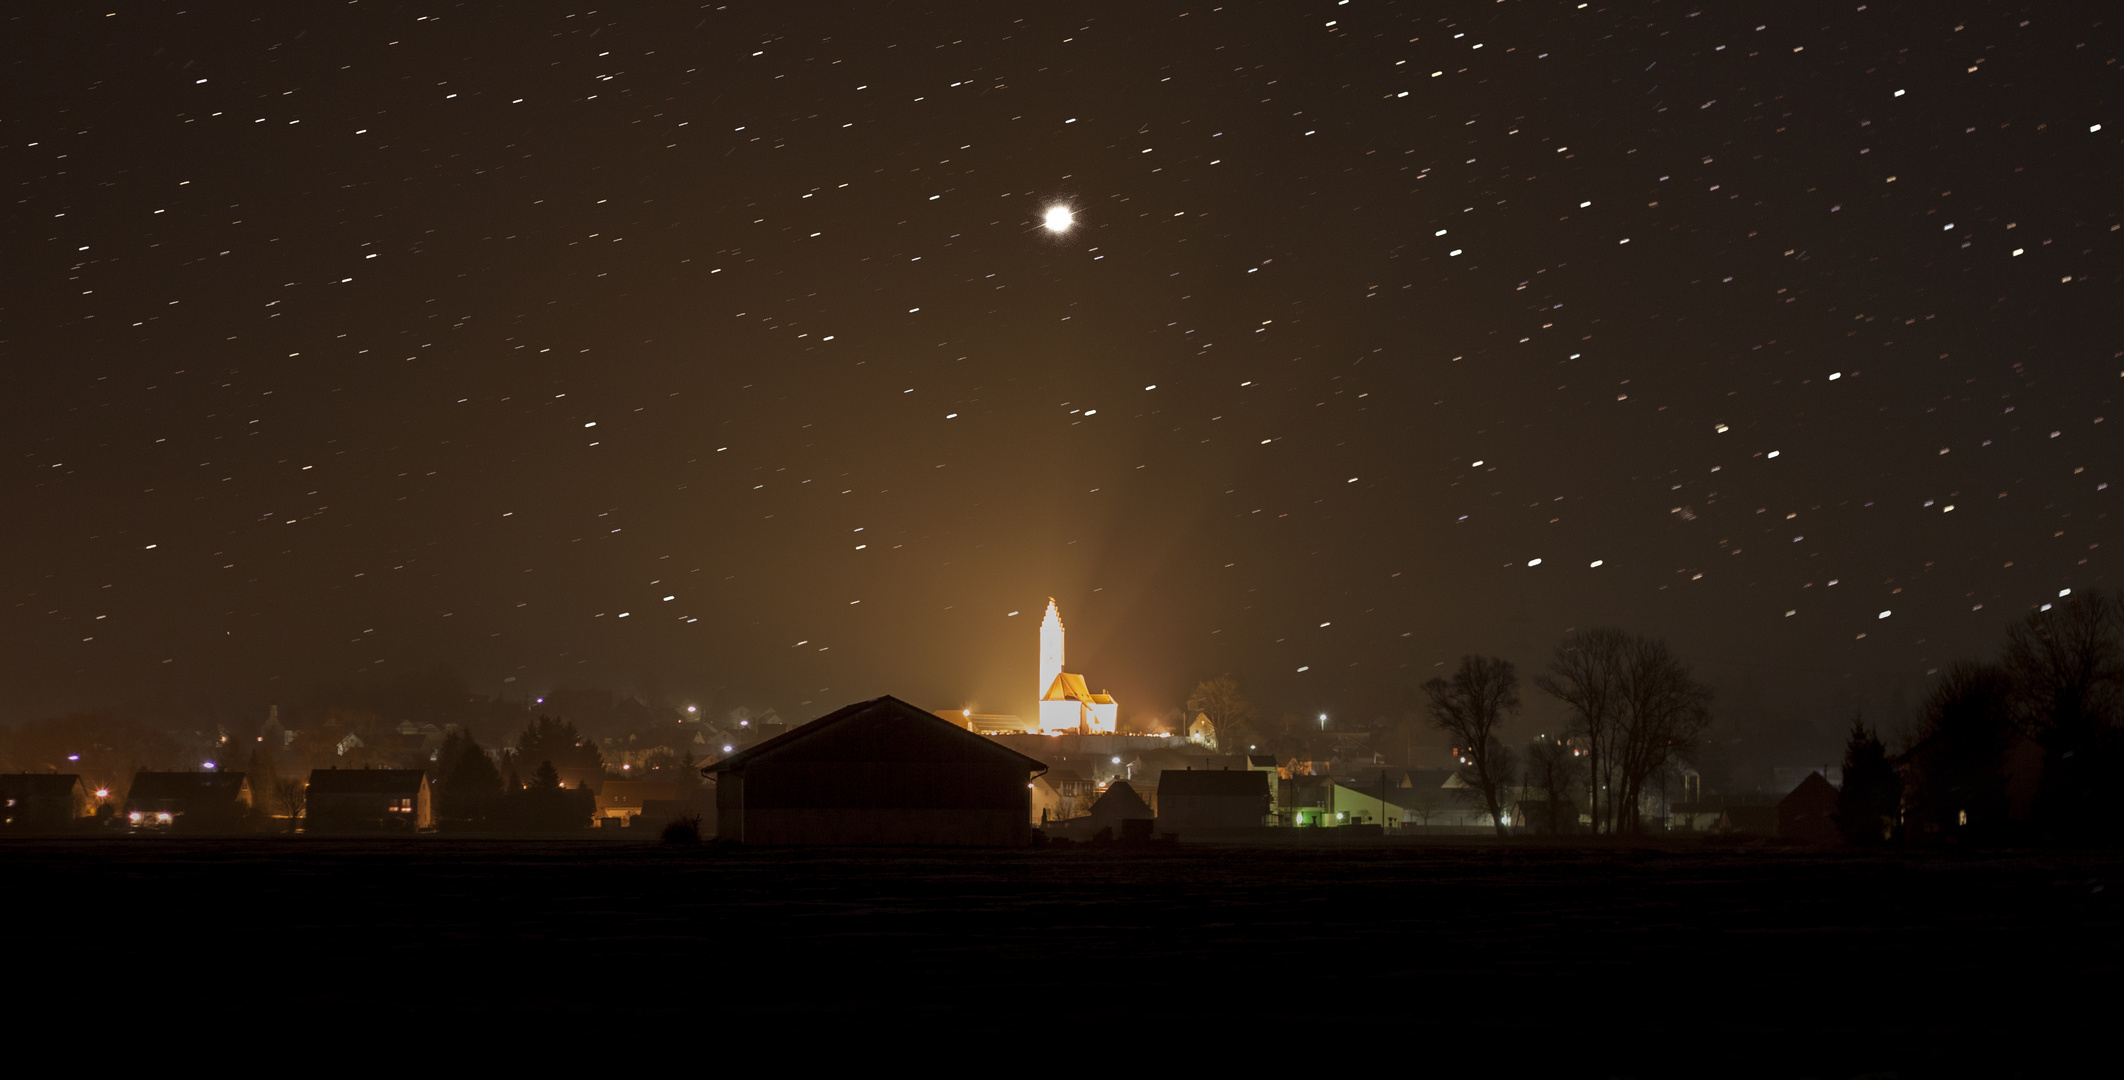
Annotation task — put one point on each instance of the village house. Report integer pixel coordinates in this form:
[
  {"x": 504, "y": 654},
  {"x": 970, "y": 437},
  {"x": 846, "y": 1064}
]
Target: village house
[
  {"x": 42, "y": 801},
  {"x": 188, "y": 800},
  {"x": 878, "y": 772},
  {"x": 1123, "y": 811},
  {"x": 1060, "y": 794},
  {"x": 1119, "y": 814},
  {"x": 1808, "y": 814},
  {"x": 620, "y": 802},
  {"x": 360, "y": 800},
  {"x": 1385, "y": 798}
]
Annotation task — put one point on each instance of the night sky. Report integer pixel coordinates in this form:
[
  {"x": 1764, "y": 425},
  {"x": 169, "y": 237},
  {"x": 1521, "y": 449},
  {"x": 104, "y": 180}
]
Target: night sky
[{"x": 719, "y": 352}]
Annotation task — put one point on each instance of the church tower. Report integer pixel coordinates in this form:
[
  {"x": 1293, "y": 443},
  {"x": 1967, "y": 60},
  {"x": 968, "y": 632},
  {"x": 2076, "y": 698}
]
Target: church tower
[{"x": 1050, "y": 648}]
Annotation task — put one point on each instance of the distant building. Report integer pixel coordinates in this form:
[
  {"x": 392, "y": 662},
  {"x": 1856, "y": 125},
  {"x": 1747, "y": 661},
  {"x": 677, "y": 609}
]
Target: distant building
[
  {"x": 1202, "y": 732},
  {"x": 1808, "y": 814},
  {"x": 1120, "y": 813},
  {"x": 1193, "y": 800},
  {"x": 1357, "y": 806},
  {"x": 1784, "y": 778},
  {"x": 367, "y": 799},
  {"x": 589, "y": 778},
  {"x": 878, "y": 772},
  {"x": 42, "y": 801},
  {"x": 621, "y": 801},
  {"x": 1391, "y": 798},
  {"x": 985, "y": 723},
  {"x": 1061, "y": 794},
  {"x": 1119, "y": 806},
  {"x": 187, "y": 800}
]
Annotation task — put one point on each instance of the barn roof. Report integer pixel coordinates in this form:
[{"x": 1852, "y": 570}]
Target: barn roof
[
  {"x": 223, "y": 786},
  {"x": 366, "y": 781},
  {"x": 883, "y": 729},
  {"x": 39, "y": 785},
  {"x": 32, "y": 785}
]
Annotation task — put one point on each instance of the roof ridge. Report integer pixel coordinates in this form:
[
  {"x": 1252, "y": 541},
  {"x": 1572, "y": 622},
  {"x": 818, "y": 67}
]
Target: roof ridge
[{"x": 814, "y": 727}]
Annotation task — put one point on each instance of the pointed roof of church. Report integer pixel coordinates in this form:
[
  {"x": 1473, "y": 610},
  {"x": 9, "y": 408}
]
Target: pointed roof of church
[{"x": 1068, "y": 686}]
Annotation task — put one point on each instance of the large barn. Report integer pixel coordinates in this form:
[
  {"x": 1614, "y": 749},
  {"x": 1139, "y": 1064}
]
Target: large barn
[
  {"x": 1196, "y": 800},
  {"x": 876, "y": 773}
]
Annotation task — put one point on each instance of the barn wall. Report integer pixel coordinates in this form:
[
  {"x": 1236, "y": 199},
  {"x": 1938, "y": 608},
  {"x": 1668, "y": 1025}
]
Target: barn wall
[
  {"x": 730, "y": 807},
  {"x": 881, "y": 785},
  {"x": 881, "y": 827}
]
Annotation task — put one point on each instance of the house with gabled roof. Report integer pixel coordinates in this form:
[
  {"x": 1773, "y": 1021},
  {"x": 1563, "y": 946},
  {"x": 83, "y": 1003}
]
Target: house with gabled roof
[
  {"x": 189, "y": 800},
  {"x": 41, "y": 801},
  {"x": 367, "y": 799},
  {"x": 1121, "y": 813},
  {"x": 876, "y": 773},
  {"x": 619, "y": 802},
  {"x": 1808, "y": 813}
]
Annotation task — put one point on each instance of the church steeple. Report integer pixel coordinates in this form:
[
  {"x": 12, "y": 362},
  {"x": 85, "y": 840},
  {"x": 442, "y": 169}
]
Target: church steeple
[{"x": 1050, "y": 648}]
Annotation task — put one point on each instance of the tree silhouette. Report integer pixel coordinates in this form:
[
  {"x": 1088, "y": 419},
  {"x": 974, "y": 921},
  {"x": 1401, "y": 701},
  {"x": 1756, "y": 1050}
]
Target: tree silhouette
[
  {"x": 1959, "y": 755},
  {"x": 1871, "y": 801},
  {"x": 1228, "y": 708},
  {"x": 1636, "y": 705},
  {"x": 1586, "y": 675},
  {"x": 547, "y": 778},
  {"x": 1665, "y": 710},
  {"x": 2067, "y": 666},
  {"x": 1550, "y": 772},
  {"x": 470, "y": 782},
  {"x": 556, "y": 741},
  {"x": 290, "y": 794},
  {"x": 1471, "y": 707}
]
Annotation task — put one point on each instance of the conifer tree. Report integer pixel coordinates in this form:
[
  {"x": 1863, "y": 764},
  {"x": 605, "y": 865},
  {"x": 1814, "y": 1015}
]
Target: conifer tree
[
  {"x": 1870, "y": 804},
  {"x": 470, "y": 783}
]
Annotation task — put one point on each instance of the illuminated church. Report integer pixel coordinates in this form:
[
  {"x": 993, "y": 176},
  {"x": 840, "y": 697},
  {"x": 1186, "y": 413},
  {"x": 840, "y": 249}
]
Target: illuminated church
[{"x": 1066, "y": 704}]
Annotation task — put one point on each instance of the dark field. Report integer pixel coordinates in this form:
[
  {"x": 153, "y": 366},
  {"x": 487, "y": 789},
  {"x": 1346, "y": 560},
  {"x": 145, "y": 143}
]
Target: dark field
[{"x": 1638, "y": 961}]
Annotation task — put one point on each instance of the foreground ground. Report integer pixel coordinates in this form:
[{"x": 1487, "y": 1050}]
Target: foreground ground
[{"x": 1634, "y": 961}]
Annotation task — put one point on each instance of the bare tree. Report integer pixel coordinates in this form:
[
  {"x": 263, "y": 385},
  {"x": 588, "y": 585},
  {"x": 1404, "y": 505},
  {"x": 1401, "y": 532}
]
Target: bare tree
[
  {"x": 1471, "y": 707},
  {"x": 290, "y": 794},
  {"x": 1665, "y": 709},
  {"x": 1227, "y": 707},
  {"x": 1424, "y": 801},
  {"x": 1586, "y": 675},
  {"x": 2067, "y": 667},
  {"x": 1635, "y": 705},
  {"x": 1550, "y": 772}
]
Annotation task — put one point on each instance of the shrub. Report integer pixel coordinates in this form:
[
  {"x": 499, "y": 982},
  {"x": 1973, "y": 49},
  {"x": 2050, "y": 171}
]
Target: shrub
[{"x": 683, "y": 830}]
